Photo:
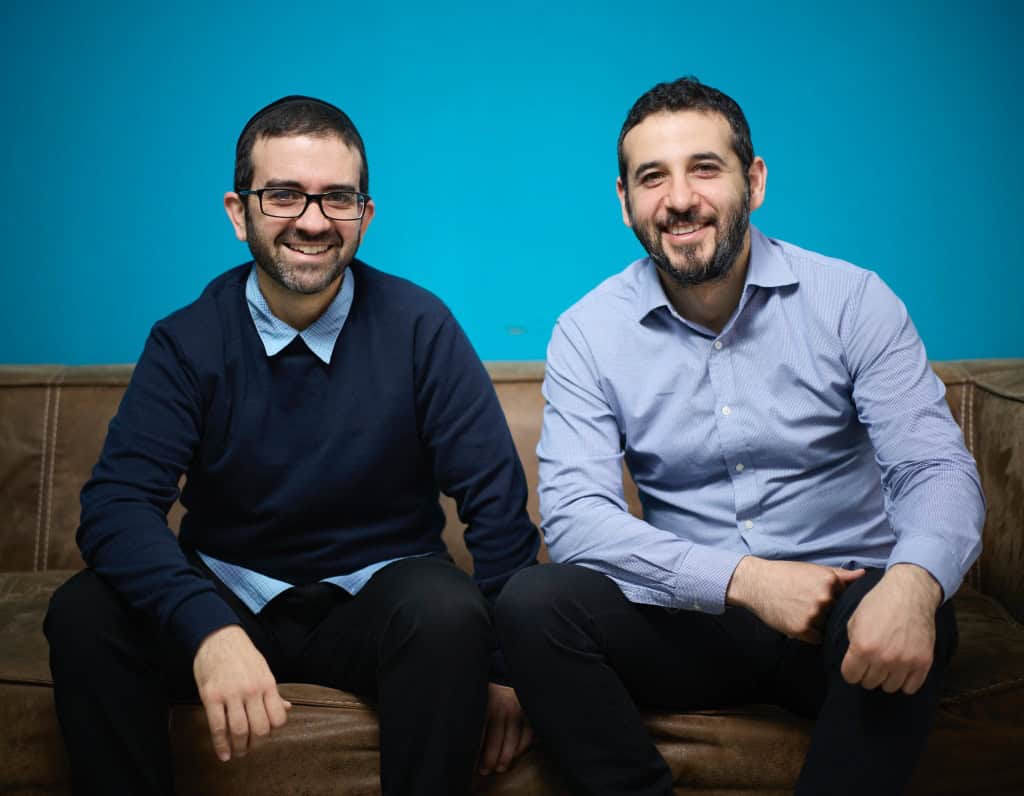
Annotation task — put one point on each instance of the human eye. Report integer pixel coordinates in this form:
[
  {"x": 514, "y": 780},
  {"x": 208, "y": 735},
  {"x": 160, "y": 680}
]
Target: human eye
[
  {"x": 707, "y": 168},
  {"x": 649, "y": 179},
  {"x": 341, "y": 200},
  {"x": 282, "y": 197}
]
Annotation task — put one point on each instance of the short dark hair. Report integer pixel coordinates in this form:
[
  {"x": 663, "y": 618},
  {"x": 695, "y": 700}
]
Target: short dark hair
[
  {"x": 689, "y": 94},
  {"x": 296, "y": 115}
]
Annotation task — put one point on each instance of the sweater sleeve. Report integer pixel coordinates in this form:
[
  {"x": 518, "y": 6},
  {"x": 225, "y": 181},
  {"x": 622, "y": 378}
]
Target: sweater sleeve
[
  {"x": 123, "y": 533},
  {"x": 473, "y": 456}
]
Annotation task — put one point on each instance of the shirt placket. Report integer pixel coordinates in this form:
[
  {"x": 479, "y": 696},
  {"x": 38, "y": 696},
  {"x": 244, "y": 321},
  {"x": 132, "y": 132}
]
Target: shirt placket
[{"x": 733, "y": 423}]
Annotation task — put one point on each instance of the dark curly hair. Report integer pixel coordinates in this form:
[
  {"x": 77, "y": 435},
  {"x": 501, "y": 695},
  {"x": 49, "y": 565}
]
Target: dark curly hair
[{"x": 689, "y": 94}]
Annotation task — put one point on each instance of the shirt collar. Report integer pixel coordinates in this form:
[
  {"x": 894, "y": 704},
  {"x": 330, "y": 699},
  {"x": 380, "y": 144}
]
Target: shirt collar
[
  {"x": 320, "y": 336},
  {"x": 768, "y": 268}
]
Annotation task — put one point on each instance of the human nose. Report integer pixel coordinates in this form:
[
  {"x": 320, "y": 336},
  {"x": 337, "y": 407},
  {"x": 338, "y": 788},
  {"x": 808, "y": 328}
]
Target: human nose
[
  {"x": 681, "y": 195},
  {"x": 313, "y": 219}
]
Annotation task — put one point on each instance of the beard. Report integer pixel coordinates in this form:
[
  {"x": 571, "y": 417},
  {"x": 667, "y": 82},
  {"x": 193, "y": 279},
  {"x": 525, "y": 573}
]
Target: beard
[
  {"x": 730, "y": 232},
  {"x": 307, "y": 279}
]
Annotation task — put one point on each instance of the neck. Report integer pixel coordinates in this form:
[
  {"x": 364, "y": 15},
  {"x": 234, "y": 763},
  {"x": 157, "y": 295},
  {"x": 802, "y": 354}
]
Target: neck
[
  {"x": 710, "y": 304},
  {"x": 298, "y": 310}
]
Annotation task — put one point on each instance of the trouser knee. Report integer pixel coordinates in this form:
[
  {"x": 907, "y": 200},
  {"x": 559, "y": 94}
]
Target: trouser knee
[
  {"x": 83, "y": 615},
  {"x": 552, "y": 604},
  {"x": 439, "y": 611}
]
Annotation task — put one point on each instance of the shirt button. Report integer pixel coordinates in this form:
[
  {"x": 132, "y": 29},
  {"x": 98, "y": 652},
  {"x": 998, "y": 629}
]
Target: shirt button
[
  {"x": 726, "y": 411},
  {"x": 718, "y": 345},
  {"x": 748, "y": 524},
  {"x": 740, "y": 468}
]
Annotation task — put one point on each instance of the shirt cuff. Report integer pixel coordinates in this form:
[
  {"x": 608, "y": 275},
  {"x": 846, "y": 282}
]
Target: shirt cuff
[
  {"x": 702, "y": 584},
  {"x": 932, "y": 555}
]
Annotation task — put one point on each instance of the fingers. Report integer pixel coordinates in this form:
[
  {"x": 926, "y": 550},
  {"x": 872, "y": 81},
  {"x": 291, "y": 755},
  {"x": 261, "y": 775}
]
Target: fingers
[
  {"x": 238, "y": 728},
  {"x": 259, "y": 721},
  {"x": 853, "y": 668},
  {"x": 494, "y": 739},
  {"x": 217, "y": 721},
  {"x": 915, "y": 680},
  {"x": 277, "y": 709},
  {"x": 894, "y": 681},
  {"x": 513, "y": 732},
  {"x": 525, "y": 739}
]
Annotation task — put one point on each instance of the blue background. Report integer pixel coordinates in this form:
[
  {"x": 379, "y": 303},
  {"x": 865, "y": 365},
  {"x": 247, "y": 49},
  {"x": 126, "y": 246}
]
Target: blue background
[{"x": 890, "y": 130}]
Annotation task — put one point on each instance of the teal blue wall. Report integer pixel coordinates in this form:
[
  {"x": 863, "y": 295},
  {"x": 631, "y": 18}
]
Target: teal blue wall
[{"x": 891, "y": 132}]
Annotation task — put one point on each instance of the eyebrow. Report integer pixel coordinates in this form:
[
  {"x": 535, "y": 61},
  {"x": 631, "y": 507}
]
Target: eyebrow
[
  {"x": 650, "y": 164},
  {"x": 341, "y": 186}
]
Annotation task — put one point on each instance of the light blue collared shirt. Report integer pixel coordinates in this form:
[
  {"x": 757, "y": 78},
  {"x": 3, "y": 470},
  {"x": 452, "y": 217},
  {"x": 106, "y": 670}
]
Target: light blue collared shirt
[
  {"x": 812, "y": 428},
  {"x": 254, "y": 588}
]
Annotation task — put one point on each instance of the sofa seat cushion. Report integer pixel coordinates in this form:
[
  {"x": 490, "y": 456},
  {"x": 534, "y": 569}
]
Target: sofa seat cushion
[{"x": 730, "y": 751}]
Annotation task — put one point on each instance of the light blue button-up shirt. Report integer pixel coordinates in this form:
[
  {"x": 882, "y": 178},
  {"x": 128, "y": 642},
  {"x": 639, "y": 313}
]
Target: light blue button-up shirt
[
  {"x": 254, "y": 588},
  {"x": 812, "y": 428}
]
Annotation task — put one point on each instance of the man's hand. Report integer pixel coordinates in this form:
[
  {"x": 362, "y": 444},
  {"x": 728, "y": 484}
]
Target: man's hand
[
  {"x": 238, "y": 692},
  {"x": 892, "y": 632},
  {"x": 790, "y": 596},
  {"x": 506, "y": 731}
]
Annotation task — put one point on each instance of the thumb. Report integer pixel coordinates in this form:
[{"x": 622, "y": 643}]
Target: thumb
[{"x": 848, "y": 575}]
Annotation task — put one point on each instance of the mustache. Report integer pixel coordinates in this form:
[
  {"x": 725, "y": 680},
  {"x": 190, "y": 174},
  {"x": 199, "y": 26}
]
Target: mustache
[
  {"x": 298, "y": 236},
  {"x": 674, "y": 217}
]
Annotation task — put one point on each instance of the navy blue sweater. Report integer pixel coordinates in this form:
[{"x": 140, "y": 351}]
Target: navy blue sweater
[{"x": 298, "y": 469}]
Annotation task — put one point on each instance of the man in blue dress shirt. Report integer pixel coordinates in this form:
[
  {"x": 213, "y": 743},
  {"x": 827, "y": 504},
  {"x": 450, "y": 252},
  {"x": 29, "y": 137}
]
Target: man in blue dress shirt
[
  {"x": 315, "y": 406},
  {"x": 808, "y": 504}
]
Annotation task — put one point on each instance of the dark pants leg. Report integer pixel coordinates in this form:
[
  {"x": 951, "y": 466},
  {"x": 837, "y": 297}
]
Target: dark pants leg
[
  {"x": 417, "y": 637},
  {"x": 582, "y": 657},
  {"x": 869, "y": 741}
]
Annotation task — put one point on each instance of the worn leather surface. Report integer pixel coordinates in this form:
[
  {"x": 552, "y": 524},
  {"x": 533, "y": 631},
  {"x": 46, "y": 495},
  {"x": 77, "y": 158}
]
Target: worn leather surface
[{"x": 52, "y": 423}]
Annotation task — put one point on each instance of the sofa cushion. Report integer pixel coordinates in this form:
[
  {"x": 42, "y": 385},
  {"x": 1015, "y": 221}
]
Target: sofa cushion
[{"x": 728, "y": 751}]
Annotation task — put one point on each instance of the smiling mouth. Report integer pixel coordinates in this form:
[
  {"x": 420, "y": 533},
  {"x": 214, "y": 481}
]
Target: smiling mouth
[
  {"x": 303, "y": 248},
  {"x": 684, "y": 229}
]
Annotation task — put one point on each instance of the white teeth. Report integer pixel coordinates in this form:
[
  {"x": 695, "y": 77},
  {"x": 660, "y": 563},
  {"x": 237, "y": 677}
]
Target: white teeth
[
  {"x": 685, "y": 230},
  {"x": 308, "y": 249}
]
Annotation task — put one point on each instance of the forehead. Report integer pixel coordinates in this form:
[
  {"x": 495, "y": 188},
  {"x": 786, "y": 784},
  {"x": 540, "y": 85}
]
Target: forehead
[
  {"x": 668, "y": 136},
  {"x": 310, "y": 160}
]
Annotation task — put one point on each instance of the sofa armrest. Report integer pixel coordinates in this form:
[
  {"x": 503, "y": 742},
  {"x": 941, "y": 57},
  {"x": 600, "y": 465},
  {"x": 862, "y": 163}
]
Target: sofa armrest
[{"x": 987, "y": 399}]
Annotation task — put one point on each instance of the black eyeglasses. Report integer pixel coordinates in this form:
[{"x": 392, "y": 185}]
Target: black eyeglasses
[{"x": 290, "y": 203}]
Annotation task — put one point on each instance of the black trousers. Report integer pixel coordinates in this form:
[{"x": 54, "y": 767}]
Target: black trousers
[
  {"x": 582, "y": 657},
  {"x": 417, "y": 638}
]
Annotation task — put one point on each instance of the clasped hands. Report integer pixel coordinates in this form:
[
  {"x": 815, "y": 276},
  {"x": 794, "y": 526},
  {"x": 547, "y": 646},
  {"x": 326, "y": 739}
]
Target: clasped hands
[
  {"x": 891, "y": 633},
  {"x": 243, "y": 706}
]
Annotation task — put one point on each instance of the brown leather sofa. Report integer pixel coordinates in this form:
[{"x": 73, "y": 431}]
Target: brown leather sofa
[{"x": 52, "y": 423}]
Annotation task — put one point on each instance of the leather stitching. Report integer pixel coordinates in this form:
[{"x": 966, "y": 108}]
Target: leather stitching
[
  {"x": 49, "y": 479},
  {"x": 42, "y": 477}
]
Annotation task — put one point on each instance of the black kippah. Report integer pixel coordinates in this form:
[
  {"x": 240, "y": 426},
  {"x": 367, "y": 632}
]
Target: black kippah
[{"x": 285, "y": 101}]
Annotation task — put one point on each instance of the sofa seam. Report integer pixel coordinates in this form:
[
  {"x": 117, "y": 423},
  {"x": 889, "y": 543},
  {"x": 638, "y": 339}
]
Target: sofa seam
[
  {"x": 966, "y": 696},
  {"x": 42, "y": 477},
  {"x": 53, "y": 466}
]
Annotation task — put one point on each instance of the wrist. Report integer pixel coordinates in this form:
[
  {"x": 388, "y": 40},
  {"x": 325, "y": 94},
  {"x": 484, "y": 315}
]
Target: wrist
[
  {"x": 740, "y": 589},
  {"x": 918, "y": 579}
]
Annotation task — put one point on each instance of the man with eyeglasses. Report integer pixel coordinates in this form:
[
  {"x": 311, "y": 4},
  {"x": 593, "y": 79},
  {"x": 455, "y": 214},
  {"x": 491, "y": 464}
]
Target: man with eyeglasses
[{"x": 315, "y": 406}]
